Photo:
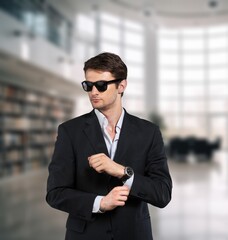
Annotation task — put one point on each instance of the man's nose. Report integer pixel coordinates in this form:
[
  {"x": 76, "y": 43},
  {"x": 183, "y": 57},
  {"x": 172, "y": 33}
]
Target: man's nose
[{"x": 94, "y": 90}]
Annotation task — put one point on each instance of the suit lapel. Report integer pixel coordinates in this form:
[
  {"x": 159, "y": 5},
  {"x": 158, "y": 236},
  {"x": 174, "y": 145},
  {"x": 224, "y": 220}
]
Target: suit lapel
[
  {"x": 125, "y": 139},
  {"x": 94, "y": 134}
]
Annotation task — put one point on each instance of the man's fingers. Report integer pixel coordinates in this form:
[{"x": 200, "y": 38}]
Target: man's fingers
[
  {"x": 116, "y": 197},
  {"x": 124, "y": 193},
  {"x": 95, "y": 164},
  {"x": 96, "y": 156},
  {"x": 121, "y": 193},
  {"x": 122, "y": 198},
  {"x": 121, "y": 189},
  {"x": 93, "y": 160}
]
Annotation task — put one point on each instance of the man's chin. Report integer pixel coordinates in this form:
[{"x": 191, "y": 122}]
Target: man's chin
[{"x": 97, "y": 106}]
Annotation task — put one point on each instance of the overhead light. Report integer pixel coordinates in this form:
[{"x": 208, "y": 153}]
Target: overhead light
[{"x": 213, "y": 3}]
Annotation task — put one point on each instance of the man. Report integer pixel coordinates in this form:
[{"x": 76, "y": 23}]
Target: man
[{"x": 107, "y": 164}]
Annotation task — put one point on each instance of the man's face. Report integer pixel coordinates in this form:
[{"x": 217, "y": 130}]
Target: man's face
[{"x": 107, "y": 99}]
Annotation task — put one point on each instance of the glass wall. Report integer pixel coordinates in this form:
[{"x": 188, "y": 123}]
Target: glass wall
[{"x": 193, "y": 81}]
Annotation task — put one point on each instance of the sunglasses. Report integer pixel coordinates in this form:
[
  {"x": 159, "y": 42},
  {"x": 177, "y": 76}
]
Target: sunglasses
[{"x": 100, "y": 85}]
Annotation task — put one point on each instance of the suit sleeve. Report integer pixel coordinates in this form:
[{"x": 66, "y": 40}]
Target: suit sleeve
[
  {"x": 61, "y": 186},
  {"x": 155, "y": 185}
]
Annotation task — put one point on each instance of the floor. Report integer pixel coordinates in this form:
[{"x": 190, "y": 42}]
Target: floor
[{"x": 198, "y": 210}]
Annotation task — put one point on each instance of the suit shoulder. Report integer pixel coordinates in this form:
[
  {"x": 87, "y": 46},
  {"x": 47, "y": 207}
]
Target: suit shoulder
[
  {"x": 144, "y": 130},
  {"x": 77, "y": 121},
  {"x": 141, "y": 122}
]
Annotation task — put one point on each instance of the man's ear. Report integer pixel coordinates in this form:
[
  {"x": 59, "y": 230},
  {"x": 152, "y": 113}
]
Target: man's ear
[{"x": 122, "y": 86}]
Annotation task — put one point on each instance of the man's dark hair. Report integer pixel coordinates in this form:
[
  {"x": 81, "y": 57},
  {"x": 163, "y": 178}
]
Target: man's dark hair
[{"x": 108, "y": 62}]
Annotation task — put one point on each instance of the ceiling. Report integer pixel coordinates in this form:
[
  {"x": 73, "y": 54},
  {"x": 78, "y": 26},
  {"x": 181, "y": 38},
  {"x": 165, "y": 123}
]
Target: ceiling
[
  {"x": 177, "y": 7},
  {"x": 169, "y": 12},
  {"x": 22, "y": 73}
]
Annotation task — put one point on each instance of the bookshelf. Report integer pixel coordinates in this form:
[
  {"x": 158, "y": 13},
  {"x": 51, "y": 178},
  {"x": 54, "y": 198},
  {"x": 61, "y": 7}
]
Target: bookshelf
[{"x": 28, "y": 127}]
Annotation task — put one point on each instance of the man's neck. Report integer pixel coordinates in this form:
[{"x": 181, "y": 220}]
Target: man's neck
[{"x": 113, "y": 116}]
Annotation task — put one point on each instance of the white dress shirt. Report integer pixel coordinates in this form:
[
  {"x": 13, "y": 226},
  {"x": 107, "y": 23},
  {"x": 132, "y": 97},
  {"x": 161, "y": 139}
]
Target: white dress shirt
[{"x": 111, "y": 146}]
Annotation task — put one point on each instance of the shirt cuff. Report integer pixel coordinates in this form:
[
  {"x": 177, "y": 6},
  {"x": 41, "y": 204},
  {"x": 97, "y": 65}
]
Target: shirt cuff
[
  {"x": 129, "y": 182},
  {"x": 96, "y": 204}
]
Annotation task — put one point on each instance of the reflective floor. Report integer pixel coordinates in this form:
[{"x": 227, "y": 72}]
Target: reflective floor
[{"x": 198, "y": 211}]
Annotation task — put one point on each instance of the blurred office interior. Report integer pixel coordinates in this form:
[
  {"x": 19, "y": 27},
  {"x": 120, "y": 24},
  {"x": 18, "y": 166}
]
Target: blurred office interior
[{"x": 177, "y": 57}]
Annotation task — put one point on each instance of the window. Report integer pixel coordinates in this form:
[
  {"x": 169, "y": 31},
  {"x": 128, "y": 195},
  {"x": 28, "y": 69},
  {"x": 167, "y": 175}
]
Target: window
[
  {"x": 193, "y": 44},
  {"x": 169, "y": 90},
  {"x": 193, "y": 78},
  {"x": 218, "y": 106},
  {"x": 197, "y": 106},
  {"x": 195, "y": 60},
  {"x": 169, "y": 44},
  {"x": 110, "y": 33},
  {"x": 217, "y": 42},
  {"x": 110, "y": 47},
  {"x": 218, "y": 58},
  {"x": 168, "y": 74},
  {"x": 193, "y": 74},
  {"x": 217, "y": 73},
  {"x": 42, "y": 19},
  {"x": 133, "y": 39},
  {"x": 83, "y": 20},
  {"x": 134, "y": 55},
  {"x": 169, "y": 59}
]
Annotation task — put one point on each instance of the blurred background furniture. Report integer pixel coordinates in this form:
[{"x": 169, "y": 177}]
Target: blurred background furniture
[{"x": 179, "y": 148}]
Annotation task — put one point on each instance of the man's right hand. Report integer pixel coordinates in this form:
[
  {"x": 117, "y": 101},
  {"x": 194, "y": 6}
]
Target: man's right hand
[{"x": 115, "y": 198}]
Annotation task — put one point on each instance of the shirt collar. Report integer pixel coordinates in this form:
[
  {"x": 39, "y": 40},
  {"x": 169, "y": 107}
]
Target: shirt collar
[{"x": 102, "y": 119}]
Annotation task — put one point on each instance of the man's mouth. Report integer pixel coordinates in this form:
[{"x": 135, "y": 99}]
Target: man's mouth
[{"x": 95, "y": 100}]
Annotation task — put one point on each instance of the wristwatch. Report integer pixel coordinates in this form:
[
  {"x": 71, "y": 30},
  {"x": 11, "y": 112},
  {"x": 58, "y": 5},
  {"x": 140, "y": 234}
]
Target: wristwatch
[{"x": 128, "y": 172}]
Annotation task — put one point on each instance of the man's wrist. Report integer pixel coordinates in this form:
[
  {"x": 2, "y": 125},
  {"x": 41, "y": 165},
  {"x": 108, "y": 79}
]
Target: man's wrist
[
  {"x": 101, "y": 209},
  {"x": 121, "y": 172}
]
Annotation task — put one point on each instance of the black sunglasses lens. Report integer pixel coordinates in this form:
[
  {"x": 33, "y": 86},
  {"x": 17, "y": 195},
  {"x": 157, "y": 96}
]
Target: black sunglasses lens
[
  {"x": 87, "y": 86},
  {"x": 101, "y": 86}
]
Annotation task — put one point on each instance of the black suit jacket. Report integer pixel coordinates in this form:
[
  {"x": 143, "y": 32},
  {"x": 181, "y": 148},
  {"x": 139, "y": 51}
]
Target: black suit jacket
[{"x": 73, "y": 185}]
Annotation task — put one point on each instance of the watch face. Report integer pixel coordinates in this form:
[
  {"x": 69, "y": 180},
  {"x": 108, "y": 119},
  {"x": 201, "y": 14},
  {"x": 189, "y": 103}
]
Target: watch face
[{"x": 129, "y": 171}]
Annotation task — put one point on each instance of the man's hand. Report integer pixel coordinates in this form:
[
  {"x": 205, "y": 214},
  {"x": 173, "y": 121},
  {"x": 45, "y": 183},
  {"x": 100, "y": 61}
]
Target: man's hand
[
  {"x": 101, "y": 163},
  {"x": 115, "y": 198}
]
